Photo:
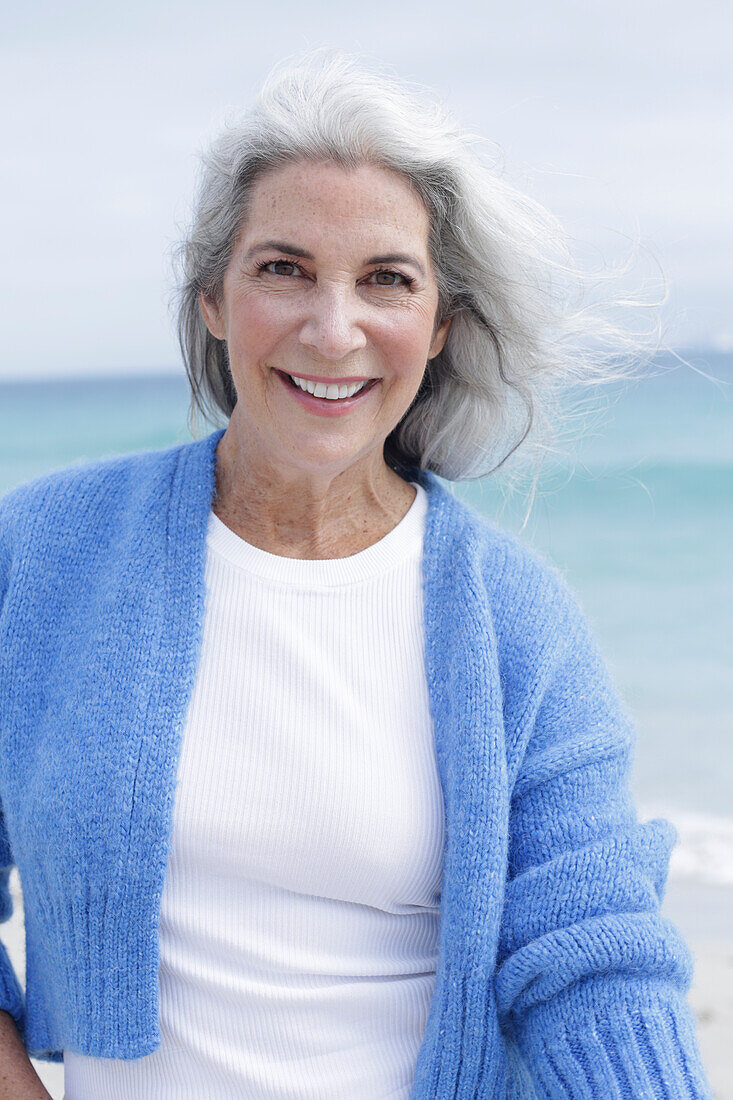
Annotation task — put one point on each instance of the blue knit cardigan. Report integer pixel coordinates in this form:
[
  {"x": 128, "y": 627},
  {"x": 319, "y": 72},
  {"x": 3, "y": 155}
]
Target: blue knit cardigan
[{"x": 557, "y": 975}]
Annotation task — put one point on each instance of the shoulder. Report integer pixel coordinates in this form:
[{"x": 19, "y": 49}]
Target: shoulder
[
  {"x": 548, "y": 652},
  {"x": 519, "y": 578},
  {"x": 84, "y": 482},
  {"x": 62, "y": 503},
  {"x": 535, "y": 614}
]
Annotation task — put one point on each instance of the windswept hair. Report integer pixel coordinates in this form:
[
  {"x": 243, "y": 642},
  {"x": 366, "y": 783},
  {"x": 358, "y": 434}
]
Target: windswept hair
[{"x": 522, "y": 331}]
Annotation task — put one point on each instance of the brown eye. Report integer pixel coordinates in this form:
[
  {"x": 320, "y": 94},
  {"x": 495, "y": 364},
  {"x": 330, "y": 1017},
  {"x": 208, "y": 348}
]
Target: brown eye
[
  {"x": 281, "y": 263},
  {"x": 384, "y": 273}
]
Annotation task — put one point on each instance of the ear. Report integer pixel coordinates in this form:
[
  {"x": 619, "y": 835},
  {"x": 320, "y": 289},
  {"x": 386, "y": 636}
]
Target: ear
[
  {"x": 212, "y": 316},
  {"x": 440, "y": 338}
]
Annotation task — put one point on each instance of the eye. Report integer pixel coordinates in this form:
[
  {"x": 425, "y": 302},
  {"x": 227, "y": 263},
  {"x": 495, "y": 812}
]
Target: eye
[
  {"x": 406, "y": 280},
  {"x": 381, "y": 273},
  {"x": 282, "y": 263}
]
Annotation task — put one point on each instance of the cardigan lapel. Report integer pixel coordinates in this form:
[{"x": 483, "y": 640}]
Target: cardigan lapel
[{"x": 462, "y": 672}]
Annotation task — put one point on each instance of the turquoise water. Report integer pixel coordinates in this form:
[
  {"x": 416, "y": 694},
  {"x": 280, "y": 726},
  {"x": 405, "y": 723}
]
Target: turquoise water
[{"x": 641, "y": 523}]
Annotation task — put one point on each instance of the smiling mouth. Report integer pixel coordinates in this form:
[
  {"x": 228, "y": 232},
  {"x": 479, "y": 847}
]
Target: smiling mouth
[{"x": 287, "y": 378}]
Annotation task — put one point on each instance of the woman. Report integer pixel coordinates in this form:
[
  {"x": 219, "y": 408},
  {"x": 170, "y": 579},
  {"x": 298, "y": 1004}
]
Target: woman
[{"x": 316, "y": 781}]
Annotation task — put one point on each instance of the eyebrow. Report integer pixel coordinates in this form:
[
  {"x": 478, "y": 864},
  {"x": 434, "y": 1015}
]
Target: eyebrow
[{"x": 293, "y": 250}]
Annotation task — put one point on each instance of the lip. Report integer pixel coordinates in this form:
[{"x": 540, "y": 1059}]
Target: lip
[{"x": 321, "y": 406}]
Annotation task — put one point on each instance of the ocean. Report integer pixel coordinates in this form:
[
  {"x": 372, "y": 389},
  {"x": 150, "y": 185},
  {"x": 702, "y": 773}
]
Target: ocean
[{"x": 639, "y": 519}]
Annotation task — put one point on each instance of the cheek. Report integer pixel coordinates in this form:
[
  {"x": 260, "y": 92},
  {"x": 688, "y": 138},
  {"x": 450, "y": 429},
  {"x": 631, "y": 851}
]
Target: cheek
[
  {"x": 261, "y": 323},
  {"x": 405, "y": 344}
]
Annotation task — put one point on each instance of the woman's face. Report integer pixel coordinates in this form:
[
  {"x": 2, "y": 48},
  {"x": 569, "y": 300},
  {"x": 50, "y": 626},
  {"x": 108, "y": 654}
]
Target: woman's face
[{"x": 330, "y": 278}]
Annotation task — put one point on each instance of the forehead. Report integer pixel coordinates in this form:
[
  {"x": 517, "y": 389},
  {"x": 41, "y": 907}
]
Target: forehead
[{"x": 337, "y": 202}]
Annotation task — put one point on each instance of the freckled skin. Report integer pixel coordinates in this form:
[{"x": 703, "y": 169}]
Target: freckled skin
[{"x": 289, "y": 481}]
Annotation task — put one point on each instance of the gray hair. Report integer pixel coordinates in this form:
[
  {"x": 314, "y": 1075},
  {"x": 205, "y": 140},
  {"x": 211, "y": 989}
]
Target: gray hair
[{"x": 502, "y": 262}]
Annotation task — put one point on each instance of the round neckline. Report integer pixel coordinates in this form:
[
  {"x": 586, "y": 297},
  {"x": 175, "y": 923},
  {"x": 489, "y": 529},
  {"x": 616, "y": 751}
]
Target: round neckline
[{"x": 402, "y": 543}]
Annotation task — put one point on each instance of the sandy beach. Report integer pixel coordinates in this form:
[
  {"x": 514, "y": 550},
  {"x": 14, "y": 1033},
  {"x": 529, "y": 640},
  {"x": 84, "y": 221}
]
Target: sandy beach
[{"x": 704, "y": 915}]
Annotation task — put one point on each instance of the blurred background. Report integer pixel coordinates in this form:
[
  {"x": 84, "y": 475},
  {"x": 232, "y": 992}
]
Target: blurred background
[{"x": 617, "y": 117}]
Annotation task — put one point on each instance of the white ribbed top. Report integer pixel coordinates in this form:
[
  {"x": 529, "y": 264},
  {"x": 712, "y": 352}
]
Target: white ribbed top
[{"x": 300, "y": 912}]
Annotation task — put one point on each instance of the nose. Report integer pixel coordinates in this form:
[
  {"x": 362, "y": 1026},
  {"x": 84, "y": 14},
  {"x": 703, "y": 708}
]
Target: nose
[{"x": 332, "y": 326}]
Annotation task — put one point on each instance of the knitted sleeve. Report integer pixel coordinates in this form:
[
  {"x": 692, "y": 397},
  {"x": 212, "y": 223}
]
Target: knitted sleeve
[
  {"x": 12, "y": 999},
  {"x": 591, "y": 980}
]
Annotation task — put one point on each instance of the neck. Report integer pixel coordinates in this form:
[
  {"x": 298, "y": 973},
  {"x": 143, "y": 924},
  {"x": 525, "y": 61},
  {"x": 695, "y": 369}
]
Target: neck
[{"x": 297, "y": 514}]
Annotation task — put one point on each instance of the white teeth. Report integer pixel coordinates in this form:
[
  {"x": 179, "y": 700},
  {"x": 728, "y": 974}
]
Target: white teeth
[{"x": 331, "y": 392}]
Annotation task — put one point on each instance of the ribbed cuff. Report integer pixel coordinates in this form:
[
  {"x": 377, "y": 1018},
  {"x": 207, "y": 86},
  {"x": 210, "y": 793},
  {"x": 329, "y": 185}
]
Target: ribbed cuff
[
  {"x": 12, "y": 998},
  {"x": 615, "y": 1038}
]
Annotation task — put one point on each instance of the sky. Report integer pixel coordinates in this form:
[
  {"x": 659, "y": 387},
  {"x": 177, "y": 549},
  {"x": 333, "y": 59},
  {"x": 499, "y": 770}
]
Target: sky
[{"x": 616, "y": 115}]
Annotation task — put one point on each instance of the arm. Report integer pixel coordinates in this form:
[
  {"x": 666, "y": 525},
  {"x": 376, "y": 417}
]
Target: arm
[
  {"x": 591, "y": 980},
  {"x": 12, "y": 1000},
  {"x": 18, "y": 1078}
]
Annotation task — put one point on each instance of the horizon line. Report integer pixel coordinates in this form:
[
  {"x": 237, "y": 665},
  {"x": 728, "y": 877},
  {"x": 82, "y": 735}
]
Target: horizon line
[{"x": 179, "y": 371}]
